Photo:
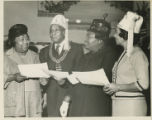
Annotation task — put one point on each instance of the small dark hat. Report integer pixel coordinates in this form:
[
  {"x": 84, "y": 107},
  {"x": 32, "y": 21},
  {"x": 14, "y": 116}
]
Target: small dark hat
[
  {"x": 15, "y": 31},
  {"x": 101, "y": 28}
]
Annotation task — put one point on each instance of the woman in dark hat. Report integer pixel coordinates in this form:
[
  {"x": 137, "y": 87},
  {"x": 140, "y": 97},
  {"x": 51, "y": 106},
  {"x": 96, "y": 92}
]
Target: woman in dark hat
[
  {"x": 90, "y": 100},
  {"x": 22, "y": 95}
]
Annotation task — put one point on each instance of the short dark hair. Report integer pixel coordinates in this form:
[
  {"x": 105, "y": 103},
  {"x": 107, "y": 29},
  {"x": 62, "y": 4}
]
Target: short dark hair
[
  {"x": 124, "y": 34},
  {"x": 15, "y": 31}
]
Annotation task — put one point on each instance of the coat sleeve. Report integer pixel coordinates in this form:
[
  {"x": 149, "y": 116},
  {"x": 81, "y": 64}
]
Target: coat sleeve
[
  {"x": 36, "y": 59},
  {"x": 10, "y": 67},
  {"x": 42, "y": 55},
  {"x": 140, "y": 65},
  {"x": 78, "y": 55},
  {"x": 6, "y": 72}
]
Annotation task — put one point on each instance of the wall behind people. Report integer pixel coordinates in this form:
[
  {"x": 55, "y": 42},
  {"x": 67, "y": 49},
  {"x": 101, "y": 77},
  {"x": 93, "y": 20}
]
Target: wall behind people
[{"x": 25, "y": 12}]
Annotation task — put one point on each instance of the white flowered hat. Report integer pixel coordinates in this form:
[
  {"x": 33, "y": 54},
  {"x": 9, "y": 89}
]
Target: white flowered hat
[
  {"x": 131, "y": 23},
  {"x": 63, "y": 22}
]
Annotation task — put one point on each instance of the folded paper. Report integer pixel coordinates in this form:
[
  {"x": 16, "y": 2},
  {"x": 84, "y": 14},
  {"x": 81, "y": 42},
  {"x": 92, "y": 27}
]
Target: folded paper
[
  {"x": 34, "y": 70},
  {"x": 97, "y": 77},
  {"x": 58, "y": 74}
]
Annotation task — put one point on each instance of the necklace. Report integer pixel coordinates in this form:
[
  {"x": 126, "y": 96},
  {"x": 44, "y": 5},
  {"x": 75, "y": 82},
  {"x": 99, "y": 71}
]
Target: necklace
[
  {"x": 59, "y": 60},
  {"x": 115, "y": 68}
]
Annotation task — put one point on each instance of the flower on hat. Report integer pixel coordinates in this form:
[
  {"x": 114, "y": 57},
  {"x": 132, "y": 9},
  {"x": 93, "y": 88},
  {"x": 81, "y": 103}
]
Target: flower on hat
[
  {"x": 101, "y": 28},
  {"x": 60, "y": 20},
  {"x": 99, "y": 25},
  {"x": 131, "y": 23}
]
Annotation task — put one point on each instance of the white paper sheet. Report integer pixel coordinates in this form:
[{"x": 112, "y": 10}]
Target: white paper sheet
[
  {"x": 72, "y": 79},
  {"x": 34, "y": 70},
  {"x": 62, "y": 75},
  {"x": 58, "y": 74},
  {"x": 97, "y": 77}
]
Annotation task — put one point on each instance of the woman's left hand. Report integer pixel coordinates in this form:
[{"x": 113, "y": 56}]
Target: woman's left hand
[
  {"x": 111, "y": 88},
  {"x": 44, "y": 101}
]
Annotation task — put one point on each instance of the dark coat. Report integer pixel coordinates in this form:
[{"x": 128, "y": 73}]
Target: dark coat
[
  {"x": 89, "y": 100},
  {"x": 55, "y": 92}
]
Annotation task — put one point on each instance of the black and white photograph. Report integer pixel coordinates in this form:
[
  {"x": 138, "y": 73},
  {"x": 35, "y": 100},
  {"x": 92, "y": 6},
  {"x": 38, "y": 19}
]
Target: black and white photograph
[{"x": 76, "y": 58}]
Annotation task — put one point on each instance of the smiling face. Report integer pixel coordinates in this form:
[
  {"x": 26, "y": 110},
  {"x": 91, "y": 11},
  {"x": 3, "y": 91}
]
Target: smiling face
[
  {"x": 22, "y": 43},
  {"x": 57, "y": 33},
  {"x": 92, "y": 42}
]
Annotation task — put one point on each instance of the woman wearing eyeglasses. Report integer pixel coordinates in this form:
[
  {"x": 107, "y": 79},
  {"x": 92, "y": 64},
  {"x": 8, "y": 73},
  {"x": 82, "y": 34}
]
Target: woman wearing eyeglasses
[{"x": 22, "y": 95}]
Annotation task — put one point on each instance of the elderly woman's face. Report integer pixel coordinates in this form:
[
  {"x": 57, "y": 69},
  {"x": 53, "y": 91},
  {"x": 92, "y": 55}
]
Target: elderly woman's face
[
  {"x": 22, "y": 43},
  {"x": 91, "y": 43},
  {"x": 57, "y": 33},
  {"x": 90, "y": 38}
]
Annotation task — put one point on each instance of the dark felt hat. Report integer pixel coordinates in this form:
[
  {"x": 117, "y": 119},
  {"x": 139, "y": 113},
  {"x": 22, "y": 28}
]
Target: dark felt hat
[
  {"x": 101, "y": 28},
  {"x": 15, "y": 31}
]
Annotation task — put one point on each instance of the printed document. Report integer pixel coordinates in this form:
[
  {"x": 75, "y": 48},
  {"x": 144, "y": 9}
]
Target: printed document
[{"x": 34, "y": 70}]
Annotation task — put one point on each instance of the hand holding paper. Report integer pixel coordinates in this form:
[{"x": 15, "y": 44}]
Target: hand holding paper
[
  {"x": 72, "y": 79},
  {"x": 44, "y": 81},
  {"x": 58, "y": 75},
  {"x": 97, "y": 77}
]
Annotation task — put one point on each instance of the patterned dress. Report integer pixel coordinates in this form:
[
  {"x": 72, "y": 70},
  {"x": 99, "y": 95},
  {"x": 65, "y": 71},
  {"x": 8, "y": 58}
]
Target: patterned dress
[{"x": 29, "y": 101}]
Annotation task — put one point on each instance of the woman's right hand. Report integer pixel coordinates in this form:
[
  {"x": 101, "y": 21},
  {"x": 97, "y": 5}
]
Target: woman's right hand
[
  {"x": 44, "y": 81},
  {"x": 60, "y": 80},
  {"x": 19, "y": 78},
  {"x": 111, "y": 88}
]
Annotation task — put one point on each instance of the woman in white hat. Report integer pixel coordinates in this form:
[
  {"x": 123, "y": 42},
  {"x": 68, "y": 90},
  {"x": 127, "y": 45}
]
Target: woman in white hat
[
  {"x": 60, "y": 55},
  {"x": 130, "y": 72}
]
